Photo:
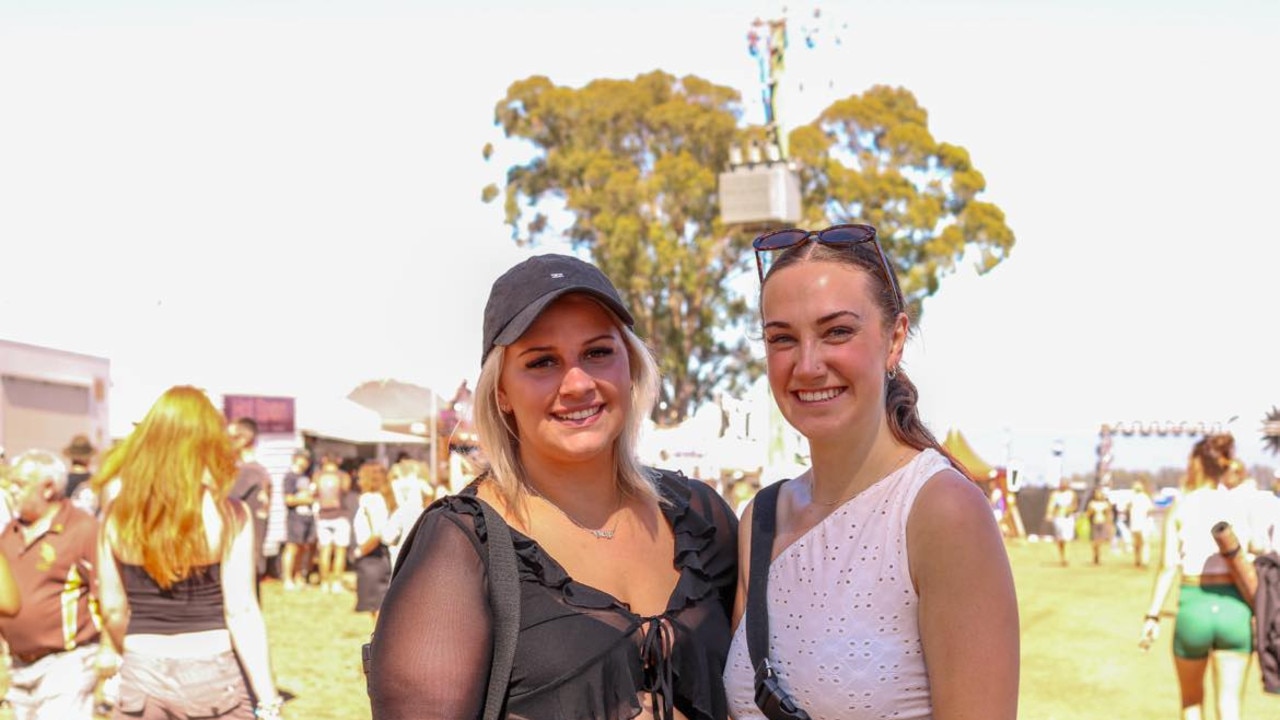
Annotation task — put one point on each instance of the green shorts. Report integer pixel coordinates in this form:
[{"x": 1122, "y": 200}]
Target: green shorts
[{"x": 1211, "y": 617}]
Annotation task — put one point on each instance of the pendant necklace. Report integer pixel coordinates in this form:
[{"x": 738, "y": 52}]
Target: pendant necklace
[{"x": 597, "y": 533}]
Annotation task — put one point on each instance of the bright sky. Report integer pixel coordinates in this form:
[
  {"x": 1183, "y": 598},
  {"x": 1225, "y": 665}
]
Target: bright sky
[{"x": 283, "y": 197}]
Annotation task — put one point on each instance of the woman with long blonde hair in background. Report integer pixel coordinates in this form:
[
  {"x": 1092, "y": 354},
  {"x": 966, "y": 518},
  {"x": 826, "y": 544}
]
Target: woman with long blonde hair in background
[{"x": 176, "y": 565}]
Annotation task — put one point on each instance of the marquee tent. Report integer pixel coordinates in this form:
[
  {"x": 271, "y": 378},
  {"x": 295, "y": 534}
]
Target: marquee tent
[{"x": 959, "y": 447}]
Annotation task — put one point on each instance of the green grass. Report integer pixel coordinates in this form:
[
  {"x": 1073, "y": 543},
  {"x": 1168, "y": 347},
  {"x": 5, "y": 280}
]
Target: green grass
[
  {"x": 1080, "y": 626},
  {"x": 1080, "y": 658}
]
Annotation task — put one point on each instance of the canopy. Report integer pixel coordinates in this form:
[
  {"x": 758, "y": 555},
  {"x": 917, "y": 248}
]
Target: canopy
[
  {"x": 342, "y": 419},
  {"x": 964, "y": 454},
  {"x": 397, "y": 401}
]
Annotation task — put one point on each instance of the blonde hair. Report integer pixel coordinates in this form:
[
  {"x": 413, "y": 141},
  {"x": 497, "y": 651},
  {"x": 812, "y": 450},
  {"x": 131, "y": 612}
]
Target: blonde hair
[
  {"x": 409, "y": 468},
  {"x": 500, "y": 443}
]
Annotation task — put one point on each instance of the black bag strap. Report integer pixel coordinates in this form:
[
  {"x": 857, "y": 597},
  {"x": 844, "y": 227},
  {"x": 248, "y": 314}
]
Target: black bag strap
[
  {"x": 764, "y": 526},
  {"x": 772, "y": 699},
  {"x": 504, "y": 600}
]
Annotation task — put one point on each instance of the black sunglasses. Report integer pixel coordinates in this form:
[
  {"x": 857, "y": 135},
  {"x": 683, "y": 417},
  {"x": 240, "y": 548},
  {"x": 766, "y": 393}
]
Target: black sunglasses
[{"x": 835, "y": 235}]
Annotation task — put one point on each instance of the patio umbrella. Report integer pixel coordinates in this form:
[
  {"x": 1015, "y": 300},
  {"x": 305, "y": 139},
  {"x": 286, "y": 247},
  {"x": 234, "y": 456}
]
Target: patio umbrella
[{"x": 396, "y": 401}]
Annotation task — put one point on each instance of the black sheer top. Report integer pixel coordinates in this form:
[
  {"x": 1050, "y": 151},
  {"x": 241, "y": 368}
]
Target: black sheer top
[{"x": 581, "y": 653}]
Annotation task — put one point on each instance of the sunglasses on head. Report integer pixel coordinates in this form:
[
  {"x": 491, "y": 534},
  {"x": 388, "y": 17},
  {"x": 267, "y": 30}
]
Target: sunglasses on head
[{"x": 836, "y": 235}]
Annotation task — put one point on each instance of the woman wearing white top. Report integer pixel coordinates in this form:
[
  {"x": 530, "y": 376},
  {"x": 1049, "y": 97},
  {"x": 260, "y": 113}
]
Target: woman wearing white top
[
  {"x": 889, "y": 592},
  {"x": 1213, "y": 620},
  {"x": 410, "y": 495},
  {"x": 370, "y": 557},
  {"x": 1139, "y": 509}
]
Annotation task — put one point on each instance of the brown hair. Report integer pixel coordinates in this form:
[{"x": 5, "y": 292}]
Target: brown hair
[
  {"x": 1211, "y": 457},
  {"x": 372, "y": 478},
  {"x": 901, "y": 396}
]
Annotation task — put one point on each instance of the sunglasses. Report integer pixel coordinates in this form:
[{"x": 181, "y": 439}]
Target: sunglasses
[{"x": 836, "y": 235}]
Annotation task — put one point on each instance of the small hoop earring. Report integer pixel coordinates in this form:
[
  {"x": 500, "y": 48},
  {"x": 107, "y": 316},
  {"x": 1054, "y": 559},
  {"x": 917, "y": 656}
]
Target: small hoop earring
[{"x": 893, "y": 373}]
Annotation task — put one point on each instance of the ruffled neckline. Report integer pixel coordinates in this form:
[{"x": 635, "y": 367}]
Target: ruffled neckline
[{"x": 693, "y": 535}]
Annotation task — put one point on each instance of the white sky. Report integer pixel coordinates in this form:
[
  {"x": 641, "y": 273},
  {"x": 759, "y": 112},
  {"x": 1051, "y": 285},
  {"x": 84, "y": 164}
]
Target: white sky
[{"x": 283, "y": 197}]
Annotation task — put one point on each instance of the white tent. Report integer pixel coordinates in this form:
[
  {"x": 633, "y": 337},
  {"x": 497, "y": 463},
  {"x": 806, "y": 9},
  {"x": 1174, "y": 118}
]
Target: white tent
[{"x": 338, "y": 418}]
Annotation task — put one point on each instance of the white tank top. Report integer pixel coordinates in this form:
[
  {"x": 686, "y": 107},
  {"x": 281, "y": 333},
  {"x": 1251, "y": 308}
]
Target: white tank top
[
  {"x": 1194, "y": 516},
  {"x": 844, "y": 635}
]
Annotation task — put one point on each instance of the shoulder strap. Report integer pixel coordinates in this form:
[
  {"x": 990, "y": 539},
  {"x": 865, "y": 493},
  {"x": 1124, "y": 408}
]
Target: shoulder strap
[
  {"x": 504, "y": 598},
  {"x": 763, "y": 528}
]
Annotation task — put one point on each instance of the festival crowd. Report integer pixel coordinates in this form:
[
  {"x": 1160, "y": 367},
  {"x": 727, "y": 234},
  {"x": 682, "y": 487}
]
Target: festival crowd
[{"x": 569, "y": 580}]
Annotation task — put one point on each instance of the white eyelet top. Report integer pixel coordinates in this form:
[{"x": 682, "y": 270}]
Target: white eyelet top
[{"x": 844, "y": 636}]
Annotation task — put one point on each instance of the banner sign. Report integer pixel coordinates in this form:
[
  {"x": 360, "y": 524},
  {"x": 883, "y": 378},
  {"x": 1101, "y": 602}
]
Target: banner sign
[{"x": 273, "y": 414}]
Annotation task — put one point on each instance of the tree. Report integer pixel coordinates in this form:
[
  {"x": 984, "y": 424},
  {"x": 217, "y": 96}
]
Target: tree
[
  {"x": 633, "y": 166},
  {"x": 870, "y": 158}
]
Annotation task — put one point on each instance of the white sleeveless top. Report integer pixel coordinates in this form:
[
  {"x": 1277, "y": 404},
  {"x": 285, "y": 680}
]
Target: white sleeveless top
[{"x": 844, "y": 636}]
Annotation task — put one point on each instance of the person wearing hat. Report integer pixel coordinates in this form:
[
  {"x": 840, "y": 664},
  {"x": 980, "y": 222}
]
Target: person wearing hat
[
  {"x": 626, "y": 573},
  {"x": 79, "y": 453}
]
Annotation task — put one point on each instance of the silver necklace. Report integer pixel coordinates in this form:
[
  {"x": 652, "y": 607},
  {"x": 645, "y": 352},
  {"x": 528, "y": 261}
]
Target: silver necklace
[{"x": 597, "y": 533}]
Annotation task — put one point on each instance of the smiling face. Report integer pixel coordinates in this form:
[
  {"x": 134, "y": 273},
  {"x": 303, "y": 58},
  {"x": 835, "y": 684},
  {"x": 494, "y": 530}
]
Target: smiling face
[
  {"x": 567, "y": 384},
  {"x": 828, "y": 349}
]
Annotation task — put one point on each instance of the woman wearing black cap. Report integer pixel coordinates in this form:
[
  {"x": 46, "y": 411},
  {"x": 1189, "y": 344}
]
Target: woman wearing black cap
[{"x": 626, "y": 574}]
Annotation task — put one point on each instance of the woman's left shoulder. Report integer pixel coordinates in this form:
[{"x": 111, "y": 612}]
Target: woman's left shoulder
[{"x": 948, "y": 499}]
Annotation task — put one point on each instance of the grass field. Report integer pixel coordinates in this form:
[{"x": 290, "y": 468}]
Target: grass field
[{"x": 1080, "y": 659}]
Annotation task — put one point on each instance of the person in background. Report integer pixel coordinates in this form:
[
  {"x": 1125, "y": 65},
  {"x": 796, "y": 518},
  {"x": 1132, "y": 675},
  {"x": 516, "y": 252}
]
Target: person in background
[
  {"x": 370, "y": 557},
  {"x": 178, "y": 571},
  {"x": 1213, "y": 623},
  {"x": 300, "y": 525},
  {"x": 1060, "y": 513},
  {"x": 890, "y": 592},
  {"x": 1262, "y": 507},
  {"x": 333, "y": 523},
  {"x": 1101, "y": 521},
  {"x": 79, "y": 453},
  {"x": 411, "y": 493},
  {"x": 626, "y": 573},
  {"x": 1140, "y": 507},
  {"x": 252, "y": 486},
  {"x": 53, "y": 638}
]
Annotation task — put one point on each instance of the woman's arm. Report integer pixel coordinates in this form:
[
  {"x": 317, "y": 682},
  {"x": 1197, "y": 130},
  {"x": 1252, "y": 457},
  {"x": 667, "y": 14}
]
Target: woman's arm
[
  {"x": 968, "y": 607},
  {"x": 10, "y": 598},
  {"x": 240, "y": 606},
  {"x": 1164, "y": 579},
  {"x": 112, "y": 600},
  {"x": 433, "y": 643},
  {"x": 370, "y": 524}
]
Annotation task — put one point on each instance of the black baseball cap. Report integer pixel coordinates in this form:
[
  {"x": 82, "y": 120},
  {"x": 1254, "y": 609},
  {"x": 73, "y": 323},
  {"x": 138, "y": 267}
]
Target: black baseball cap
[{"x": 523, "y": 292}]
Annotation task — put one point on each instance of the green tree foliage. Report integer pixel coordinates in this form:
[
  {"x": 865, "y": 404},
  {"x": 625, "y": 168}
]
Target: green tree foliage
[
  {"x": 871, "y": 158},
  {"x": 635, "y": 164},
  {"x": 632, "y": 166}
]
